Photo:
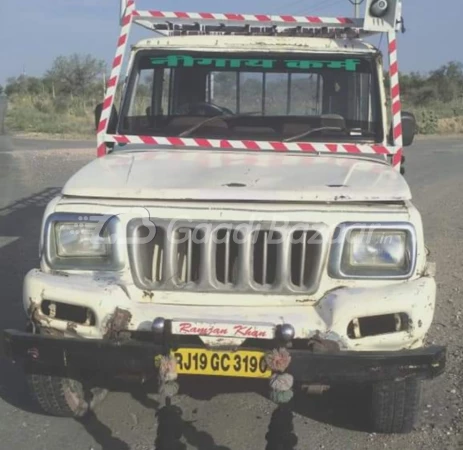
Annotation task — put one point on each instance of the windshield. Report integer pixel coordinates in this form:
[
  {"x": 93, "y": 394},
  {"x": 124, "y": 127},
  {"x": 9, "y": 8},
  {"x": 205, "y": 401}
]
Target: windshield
[{"x": 253, "y": 96}]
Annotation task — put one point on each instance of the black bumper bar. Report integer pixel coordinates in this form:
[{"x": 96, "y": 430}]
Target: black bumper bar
[{"x": 129, "y": 356}]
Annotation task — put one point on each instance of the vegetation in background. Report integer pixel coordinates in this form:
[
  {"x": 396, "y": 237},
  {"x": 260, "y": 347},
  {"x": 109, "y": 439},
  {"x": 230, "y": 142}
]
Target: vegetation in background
[
  {"x": 435, "y": 98},
  {"x": 60, "y": 102},
  {"x": 63, "y": 100}
]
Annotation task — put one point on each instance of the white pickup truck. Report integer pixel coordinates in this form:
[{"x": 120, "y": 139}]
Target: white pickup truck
[{"x": 249, "y": 199}]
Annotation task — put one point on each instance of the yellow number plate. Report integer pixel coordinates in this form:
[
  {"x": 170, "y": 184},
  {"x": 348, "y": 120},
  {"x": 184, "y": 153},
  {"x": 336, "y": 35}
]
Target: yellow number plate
[{"x": 245, "y": 364}]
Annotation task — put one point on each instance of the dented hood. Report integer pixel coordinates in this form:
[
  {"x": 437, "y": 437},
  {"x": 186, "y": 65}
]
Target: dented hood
[{"x": 220, "y": 175}]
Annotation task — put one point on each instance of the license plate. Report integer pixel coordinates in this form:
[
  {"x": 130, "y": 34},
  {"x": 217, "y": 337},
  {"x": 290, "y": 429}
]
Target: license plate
[{"x": 245, "y": 364}]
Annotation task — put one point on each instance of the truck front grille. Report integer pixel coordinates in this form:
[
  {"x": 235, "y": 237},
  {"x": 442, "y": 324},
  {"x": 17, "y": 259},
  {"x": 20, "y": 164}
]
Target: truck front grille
[{"x": 233, "y": 257}]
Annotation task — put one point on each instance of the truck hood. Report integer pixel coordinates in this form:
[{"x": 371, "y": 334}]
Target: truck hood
[{"x": 237, "y": 176}]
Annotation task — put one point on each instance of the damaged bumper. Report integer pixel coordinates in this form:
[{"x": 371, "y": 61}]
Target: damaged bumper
[
  {"x": 113, "y": 357},
  {"x": 376, "y": 318}
]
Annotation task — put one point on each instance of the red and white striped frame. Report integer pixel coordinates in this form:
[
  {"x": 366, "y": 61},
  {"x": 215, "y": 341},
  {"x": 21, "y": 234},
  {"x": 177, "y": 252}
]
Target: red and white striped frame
[
  {"x": 248, "y": 18},
  {"x": 131, "y": 14},
  {"x": 113, "y": 81},
  {"x": 247, "y": 145},
  {"x": 396, "y": 104}
]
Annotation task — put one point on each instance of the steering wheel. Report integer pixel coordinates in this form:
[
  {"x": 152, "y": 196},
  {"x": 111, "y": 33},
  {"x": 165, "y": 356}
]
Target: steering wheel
[{"x": 203, "y": 109}]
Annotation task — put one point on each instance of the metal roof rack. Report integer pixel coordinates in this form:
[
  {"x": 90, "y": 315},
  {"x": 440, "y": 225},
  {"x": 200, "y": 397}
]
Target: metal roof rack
[
  {"x": 164, "y": 22},
  {"x": 382, "y": 16}
]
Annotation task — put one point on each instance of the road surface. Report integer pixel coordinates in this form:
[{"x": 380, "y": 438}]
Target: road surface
[{"x": 235, "y": 418}]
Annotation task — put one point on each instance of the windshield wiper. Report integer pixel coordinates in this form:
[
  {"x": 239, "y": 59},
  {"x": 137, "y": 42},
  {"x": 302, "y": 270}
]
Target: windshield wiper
[
  {"x": 196, "y": 127},
  {"x": 315, "y": 130}
]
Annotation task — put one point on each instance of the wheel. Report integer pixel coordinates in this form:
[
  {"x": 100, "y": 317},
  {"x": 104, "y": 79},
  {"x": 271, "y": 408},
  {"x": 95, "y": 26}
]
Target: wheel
[
  {"x": 396, "y": 405},
  {"x": 57, "y": 393},
  {"x": 63, "y": 397}
]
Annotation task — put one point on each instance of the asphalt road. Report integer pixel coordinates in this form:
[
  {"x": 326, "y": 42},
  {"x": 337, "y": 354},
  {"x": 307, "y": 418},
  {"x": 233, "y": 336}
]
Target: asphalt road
[{"x": 226, "y": 415}]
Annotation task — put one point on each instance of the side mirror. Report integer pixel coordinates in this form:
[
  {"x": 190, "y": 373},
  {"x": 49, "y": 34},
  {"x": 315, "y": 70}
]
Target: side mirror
[
  {"x": 408, "y": 128},
  {"x": 113, "y": 119}
]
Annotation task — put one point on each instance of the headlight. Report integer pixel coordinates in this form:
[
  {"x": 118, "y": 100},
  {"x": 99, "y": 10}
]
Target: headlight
[
  {"x": 80, "y": 240},
  {"x": 83, "y": 242},
  {"x": 373, "y": 251}
]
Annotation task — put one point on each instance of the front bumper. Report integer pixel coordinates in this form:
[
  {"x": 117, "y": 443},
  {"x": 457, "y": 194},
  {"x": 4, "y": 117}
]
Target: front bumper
[
  {"x": 113, "y": 357},
  {"x": 329, "y": 317}
]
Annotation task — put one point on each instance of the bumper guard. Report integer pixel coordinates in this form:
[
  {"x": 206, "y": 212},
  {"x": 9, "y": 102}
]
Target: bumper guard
[{"x": 128, "y": 356}]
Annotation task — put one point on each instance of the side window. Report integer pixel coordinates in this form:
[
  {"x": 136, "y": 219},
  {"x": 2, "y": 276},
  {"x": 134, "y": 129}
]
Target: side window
[
  {"x": 251, "y": 92},
  {"x": 221, "y": 89},
  {"x": 366, "y": 98},
  {"x": 276, "y": 94},
  {"x": 306, "y": 94},
  {"x": 163, "y": 79},
  {"x": 142, "y": 98}
]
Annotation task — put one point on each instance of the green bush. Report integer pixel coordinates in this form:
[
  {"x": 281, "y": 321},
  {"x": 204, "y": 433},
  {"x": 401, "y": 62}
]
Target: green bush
[
  {"x": 427, "y": 121},
  {"x": 43, "y": 114}
]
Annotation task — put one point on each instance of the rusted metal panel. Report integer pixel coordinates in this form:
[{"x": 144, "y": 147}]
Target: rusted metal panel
[{"x": 119, "y": 321}]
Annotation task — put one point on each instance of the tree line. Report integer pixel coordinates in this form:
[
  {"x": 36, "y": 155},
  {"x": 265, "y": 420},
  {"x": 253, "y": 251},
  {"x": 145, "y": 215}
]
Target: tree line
[
  {"x": 75, "y": 76},
  {"x": 442, "y": 85},
  {"x": 59, "y": 102}
]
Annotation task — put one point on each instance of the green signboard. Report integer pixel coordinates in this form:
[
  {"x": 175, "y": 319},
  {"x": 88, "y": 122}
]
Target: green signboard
[{"x": 175, "y": 61}]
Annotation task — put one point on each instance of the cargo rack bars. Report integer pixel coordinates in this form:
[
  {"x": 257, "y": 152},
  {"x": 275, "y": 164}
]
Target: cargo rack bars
[
  {"x": 173, "y": 23},
  {"x": 169, "y": 22}
]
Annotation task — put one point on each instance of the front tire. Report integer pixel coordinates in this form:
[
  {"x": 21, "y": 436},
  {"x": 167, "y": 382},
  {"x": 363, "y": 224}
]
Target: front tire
[
  {"x": 63, "y": 397},
  {"x": 396, "y": 405}
]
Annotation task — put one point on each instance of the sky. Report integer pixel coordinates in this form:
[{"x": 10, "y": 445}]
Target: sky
[{"x": 34, "y": 32}]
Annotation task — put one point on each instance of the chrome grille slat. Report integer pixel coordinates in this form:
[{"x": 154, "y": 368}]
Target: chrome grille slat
[
  {"x": 283, "y": 261},
  {"x": 207, "y": 262},
  {"x": 170, "y": 257},
  {"x": 157, "y": 262},
  {"x": 219, "y": 262},
  {"x": 227, "y": 277},
  {"x": 303, "y": 258},
  {"x": 244, "y": 258},
  {"x": 264, "y": 258},
  {"x": 189, "y": 256}
]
